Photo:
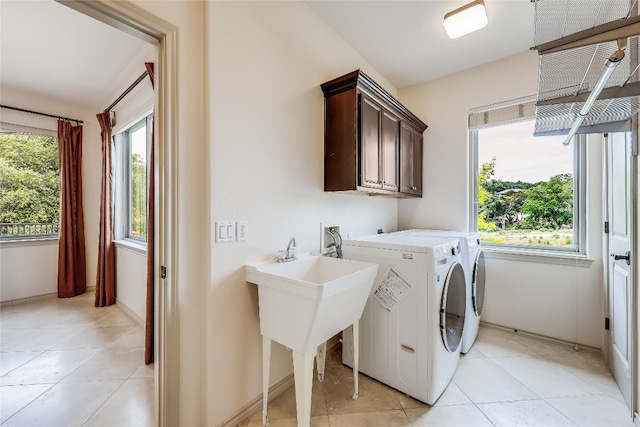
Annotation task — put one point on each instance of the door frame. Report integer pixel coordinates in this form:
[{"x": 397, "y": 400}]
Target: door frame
[
  {"x": 634, "y": 271},
  {"x": 142, "y": 24}
]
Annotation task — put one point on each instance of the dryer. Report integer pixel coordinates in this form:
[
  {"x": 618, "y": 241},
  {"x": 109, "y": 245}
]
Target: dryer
[
  {"x": 411, "y": 327},
  {"x": 474, "y": 270}
]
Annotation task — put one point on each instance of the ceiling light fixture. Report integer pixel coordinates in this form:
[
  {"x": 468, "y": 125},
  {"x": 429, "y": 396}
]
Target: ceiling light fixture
[{"x": 466, "y": 19}]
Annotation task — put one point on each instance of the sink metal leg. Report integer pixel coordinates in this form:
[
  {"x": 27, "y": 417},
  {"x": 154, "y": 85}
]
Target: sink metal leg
[
  {"x": 321, "y": 359},
  {"x": 266, "y": 365},
  {"x": 303, "y": 378},
  {"x": 356, "y": 357}
]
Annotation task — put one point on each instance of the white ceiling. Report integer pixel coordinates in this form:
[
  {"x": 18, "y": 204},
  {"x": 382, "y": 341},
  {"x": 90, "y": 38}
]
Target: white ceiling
[
  {"x": 53, "y": 51},
  {"x": 56, "y": 52},
  {"x": 406, "y": 42}
]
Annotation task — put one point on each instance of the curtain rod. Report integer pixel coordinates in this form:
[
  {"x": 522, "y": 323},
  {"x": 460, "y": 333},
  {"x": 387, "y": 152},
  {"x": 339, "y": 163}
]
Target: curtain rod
[
  {"x": 126, "y": 92},
  {"x": 41, "y": 114}
]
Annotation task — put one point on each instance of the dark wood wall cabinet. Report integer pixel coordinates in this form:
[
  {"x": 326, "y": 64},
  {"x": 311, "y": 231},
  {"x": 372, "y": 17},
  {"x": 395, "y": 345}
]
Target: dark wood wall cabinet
[{"x": 372, "y": 143}]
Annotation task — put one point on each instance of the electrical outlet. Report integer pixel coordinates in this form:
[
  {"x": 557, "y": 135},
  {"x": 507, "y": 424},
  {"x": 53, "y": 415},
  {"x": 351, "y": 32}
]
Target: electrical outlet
[
  {"x": 242, "y": 231},
  {"x": 225, "y": 231}
]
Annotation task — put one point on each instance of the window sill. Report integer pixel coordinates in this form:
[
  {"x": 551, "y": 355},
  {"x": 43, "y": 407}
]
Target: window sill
[
  {"x": 131, "y": 246},
  {"x": 30, "y": 241},
  {"x": 538, "y": 256}
]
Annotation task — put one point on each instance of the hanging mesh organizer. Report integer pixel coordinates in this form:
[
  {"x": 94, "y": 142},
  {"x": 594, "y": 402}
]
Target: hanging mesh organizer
[{"x": 567, "y": 76}]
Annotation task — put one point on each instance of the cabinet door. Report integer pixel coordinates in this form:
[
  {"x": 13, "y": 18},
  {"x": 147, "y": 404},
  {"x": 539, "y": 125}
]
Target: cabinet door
[
  {"x": 410, "y": 161},
  {"x": 389, "y": 142},
  {"x": 370, "y": 143}
]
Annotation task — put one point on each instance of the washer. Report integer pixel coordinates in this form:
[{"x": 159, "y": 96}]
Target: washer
[
  {"x": 411, "y": 327},
  {"x": 474, "y": 270}
]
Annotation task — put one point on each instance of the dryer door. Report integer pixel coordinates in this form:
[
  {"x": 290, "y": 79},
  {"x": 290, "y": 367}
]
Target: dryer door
[
  {"x": 452, "y": 307},
  {"x": 477, "y": 286}
]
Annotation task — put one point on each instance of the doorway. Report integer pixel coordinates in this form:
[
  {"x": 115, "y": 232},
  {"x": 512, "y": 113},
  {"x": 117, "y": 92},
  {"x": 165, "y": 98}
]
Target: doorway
[{"x": 146, "y": 26}]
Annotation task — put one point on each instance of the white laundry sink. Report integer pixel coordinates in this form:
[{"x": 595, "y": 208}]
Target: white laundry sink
[{"x": 307, "y": 301}]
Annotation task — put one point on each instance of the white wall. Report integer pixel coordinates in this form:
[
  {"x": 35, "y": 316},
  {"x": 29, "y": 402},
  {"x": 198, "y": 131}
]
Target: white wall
[
  {"x": 28, "y": 269},
  {"x": 265, "y": 126},
  {"x": 564, "y": 302},
  {"x": 31, "y": 269},
  {"x": 131, "y": 282}
]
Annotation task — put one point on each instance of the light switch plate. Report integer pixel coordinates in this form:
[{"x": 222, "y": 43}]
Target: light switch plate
[
  {"x": 225, "y": 231},
  {"x": 242, "y": 231}
]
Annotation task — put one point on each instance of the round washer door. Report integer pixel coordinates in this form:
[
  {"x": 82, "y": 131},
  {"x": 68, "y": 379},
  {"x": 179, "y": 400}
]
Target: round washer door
[
  {"x": 452, "y": 307},
  {"x": 477, "y": 286}
]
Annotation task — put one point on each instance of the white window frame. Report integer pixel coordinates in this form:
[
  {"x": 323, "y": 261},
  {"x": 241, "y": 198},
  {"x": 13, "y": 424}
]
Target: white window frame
[
  {"x": 516, "y": 113},
  {"x": 122, "y": 182}
]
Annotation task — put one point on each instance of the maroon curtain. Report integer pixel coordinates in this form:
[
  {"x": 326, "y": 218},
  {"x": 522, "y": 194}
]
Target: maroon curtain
[
  {"x": 149, "y": 325},
  {"x": 106, "y": 271},
  {"x": 72, "y": 264}
]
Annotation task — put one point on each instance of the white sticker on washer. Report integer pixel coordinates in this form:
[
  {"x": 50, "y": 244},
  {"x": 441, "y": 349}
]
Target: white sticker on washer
[{"x": 391, "y": 290}]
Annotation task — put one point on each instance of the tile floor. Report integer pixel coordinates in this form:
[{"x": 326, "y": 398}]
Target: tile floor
[
  {"x": 505, "y": 380},
  {"x": 64, "y": 362}
]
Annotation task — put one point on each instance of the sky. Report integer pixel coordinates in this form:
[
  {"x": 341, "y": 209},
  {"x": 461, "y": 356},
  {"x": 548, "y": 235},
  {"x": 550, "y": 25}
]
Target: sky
[
  {"x": 139, "y": 142},
  {"x": 522, "y": 157}
]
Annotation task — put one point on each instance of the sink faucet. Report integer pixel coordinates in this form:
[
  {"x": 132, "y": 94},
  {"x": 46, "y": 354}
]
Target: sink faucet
[
  {"x": 290, "y": 253},
  {"x": 336, "y": 242}
]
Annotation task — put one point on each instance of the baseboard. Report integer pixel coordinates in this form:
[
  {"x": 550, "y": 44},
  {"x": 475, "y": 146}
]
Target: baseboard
[
  {"x": 124, "y": 307},
  {"x": 534, "y": 336},
  {"x": 28, "y": 299},
  {"x": 256, "y": 404},
  {"x": 37, "y": 298}
]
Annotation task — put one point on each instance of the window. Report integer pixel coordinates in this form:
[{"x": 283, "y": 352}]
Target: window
[
  {"x": 132, "y": 146},
  {"x": 529, "y": 191},
  {"x": 29, "y": 186}
]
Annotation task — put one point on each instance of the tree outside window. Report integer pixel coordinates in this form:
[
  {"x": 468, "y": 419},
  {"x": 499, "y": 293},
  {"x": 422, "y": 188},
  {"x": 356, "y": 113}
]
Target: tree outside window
[{"x": 29, "y": 185}]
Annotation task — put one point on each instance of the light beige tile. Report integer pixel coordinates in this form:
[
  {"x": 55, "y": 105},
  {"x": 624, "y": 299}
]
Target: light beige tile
[
  {"x": 101, "y": 366},
  {"x": 372, "y": 396},
  {"x": 318, "y": 421},
  {"x": 473, "y": 353},
  {"x": 458, "y": 415},
  {"x": 493, "y": 343},
  {"x": 407, "y": 401},
  {"x": 48, "y": 368},
  {"x": 395, "y": 418},
  {"x": 482, "y": 381},
  {"x": 545, "y": 378},
  {"x": 15, "y": 397},
  {"x": 593, "y": 411},
  {"x": 65, "y": 404},
  {"x": 97, "y": 337},
  {"x": 524, "y": 413},
  {"x": 452, "y": 395},
  {"x": 41, "y": 339},
  {"x": 542, "y": 346},
  {"x": 131, "y": 405},
  {"x": 116, "y": 318},
  {"x": 144, "y": 371},
  {"x": 284, "y": 406},
  {"x": 12, "y": 360},
  {"x": 134, "y": 337}
]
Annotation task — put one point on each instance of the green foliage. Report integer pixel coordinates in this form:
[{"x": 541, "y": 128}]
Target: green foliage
[
  {"x": 29, "y": 179},
  {"x": 516, "y": 209},
  {"x": 138, "y": 196},
  {"x": 550, "y": 203}
]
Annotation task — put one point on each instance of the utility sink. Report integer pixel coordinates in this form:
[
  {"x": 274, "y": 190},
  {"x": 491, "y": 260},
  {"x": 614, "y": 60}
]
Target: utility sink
[
  {"x": 304, "y": 302},
  {"x": 307, "y": 301}
]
